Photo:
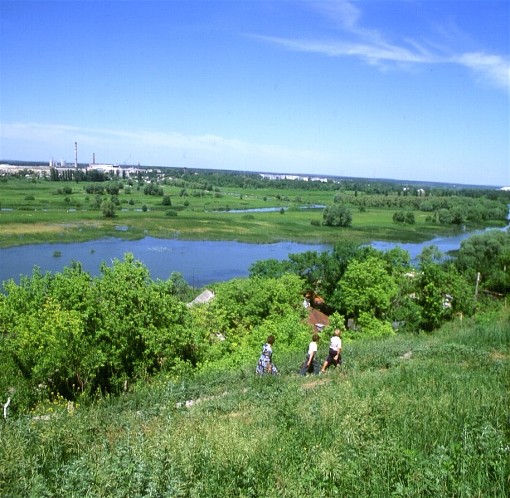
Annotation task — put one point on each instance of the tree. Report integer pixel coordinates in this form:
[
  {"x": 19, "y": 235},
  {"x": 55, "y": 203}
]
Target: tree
[
  {"x": 269, "y": 268},
  {"x": 409, "y": 218},
  {"x": 488, "y": 254},
  {"x": 240, "y": 304},
  {"x": 399, "y": 217},
  {"x": 366, "y": 286},
  {"x": 441, "y": 292},
  {"x": 108, "y": 209},
  {"x": 337, "y": 215}
]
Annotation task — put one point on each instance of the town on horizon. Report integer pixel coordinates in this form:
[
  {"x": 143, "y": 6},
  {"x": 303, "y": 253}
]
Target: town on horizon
[{"x": 43, "y": 168}]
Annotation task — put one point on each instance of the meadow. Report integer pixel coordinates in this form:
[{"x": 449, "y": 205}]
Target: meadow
[
  {"x": 37, "y": 211},
  {"x": 407, "y": 416}
]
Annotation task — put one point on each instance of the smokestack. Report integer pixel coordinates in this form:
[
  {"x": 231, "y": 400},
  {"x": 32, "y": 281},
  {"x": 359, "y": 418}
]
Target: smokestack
[
  {"x": 76, "y": 154},
  {"x": 93, "y": 158}
]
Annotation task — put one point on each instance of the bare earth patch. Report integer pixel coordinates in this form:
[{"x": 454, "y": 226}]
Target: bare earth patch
[
  {"x": 314, "y": 383},
  {"x": 499, "y": 356}
]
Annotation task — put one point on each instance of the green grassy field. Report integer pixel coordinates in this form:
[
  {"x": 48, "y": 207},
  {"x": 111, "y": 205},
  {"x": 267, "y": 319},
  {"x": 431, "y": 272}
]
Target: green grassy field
[
  {"x": 35, "y": 212},
  {"x": 408, "y": 416}
]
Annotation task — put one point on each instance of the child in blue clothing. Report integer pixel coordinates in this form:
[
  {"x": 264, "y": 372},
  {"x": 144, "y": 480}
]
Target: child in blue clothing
[{"x": 265, "y": 364}]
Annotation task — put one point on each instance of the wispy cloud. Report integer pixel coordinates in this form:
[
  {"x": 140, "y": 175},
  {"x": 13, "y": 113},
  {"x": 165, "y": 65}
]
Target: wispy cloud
[
  {"x": 207, "y": 147},
  {"x": 376, "y": 54},
  {"x": 373, "y": 47},
  {"x": 491, "y": 67}
]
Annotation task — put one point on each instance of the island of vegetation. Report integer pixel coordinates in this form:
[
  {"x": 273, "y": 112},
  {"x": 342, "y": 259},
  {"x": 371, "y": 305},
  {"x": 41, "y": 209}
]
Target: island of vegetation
[{"x": 119, "y": 385}]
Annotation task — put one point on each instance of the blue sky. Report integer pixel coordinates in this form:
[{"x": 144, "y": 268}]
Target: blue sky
[{"x": 405, "y": 89}]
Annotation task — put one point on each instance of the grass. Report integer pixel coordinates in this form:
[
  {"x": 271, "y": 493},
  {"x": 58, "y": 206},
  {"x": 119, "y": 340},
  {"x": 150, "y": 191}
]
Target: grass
[
  {"x": 408, "y": 416},
  {"x": 35, "y": 212}
]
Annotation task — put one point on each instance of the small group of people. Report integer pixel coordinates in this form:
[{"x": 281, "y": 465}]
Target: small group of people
[{"x": 311, "y": 363}]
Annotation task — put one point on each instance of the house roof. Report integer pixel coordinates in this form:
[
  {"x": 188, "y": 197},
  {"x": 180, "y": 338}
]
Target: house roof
[
  {"x": 317, "y": 319},
  {"x": 202, "y": 298}
]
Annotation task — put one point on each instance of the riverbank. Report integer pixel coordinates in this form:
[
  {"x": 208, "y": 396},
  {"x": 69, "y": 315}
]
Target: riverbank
[{"x": 18, "y": 229}]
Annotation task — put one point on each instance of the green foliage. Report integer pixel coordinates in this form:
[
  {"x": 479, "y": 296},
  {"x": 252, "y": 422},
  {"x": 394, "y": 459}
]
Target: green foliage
[
  {"x": 337, "y": 215},
  {"x": 366, "y": 286},
  {"x": 240, "y": 304},
  {"x": 441, "y": 293},
  {"x": 336, "y": 321},
  {"x": 153, "y": 189},
  {"x": 404, "y": 217},
  {"x": 373, "y": 328},
  {"x": 108, "y": 209},
  {"x": 69, "y": 333},
  {"x": 269, "y": 268},
  {"x": 291, "y": 334},
  {"x": 489, "y": 254}
]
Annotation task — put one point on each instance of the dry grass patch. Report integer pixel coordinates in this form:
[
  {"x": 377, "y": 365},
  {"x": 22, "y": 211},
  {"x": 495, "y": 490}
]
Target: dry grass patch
[{"x": 29, "y": 229}]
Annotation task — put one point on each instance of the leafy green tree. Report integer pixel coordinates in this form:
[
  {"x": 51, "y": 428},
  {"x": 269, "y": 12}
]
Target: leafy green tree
[
  {"x": 337, "y": 215},
  {"x": 269, "y": 268},
  {"x": 372, "y": 327},
  {"x": 487, "y": 253},
  {"x": 366, "y": 286},
  {"x": 108, "y": 209},
  {"x": 441, "y": 292},
  {"x": 444, "y": 216},
  {"x": 430, "y": 254},
  {"x": 71, "y": 333},
  {"x": 139, "y": 326},
  {"x": 409, "y": 218},
  {"x": 241, "y": 304}
]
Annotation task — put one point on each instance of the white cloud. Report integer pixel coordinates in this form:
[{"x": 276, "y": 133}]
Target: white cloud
[
  {"x": 371, "y": 46},
  {"x": 493, "y": 68},
  {"x": 153, "y": 146},
  {"x": 374, "y": 54}
]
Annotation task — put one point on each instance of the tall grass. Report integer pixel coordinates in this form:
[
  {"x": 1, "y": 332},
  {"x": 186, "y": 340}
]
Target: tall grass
[{"x": 408, "y": 416}]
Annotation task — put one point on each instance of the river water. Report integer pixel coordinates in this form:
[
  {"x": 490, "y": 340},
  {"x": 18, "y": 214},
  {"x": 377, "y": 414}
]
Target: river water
[{"x": 200, "y": 262}]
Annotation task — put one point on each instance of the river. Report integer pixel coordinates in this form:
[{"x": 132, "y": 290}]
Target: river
[{"x": 200, "y": 262}]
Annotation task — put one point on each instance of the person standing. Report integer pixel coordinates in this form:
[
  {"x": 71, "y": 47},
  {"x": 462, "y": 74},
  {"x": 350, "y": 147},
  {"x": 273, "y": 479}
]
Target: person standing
[
  {"x": 265, "y": 364},
  {"x": 311, "y": 365},
  {"x": 335, "y": 351}
]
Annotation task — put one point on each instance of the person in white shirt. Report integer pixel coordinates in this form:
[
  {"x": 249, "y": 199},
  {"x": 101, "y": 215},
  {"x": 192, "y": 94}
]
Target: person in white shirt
[
  {"x": 335, "y": 351},
  {"x": 311, "y": 365}
]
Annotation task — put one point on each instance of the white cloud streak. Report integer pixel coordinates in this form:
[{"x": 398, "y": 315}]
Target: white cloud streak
[
  {"x": 206, "y": 147},
  {"x": 372, "y": 47}
]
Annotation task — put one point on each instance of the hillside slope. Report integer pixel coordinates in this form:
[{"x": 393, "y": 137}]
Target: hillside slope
[{"x": 407, "y": 416}]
